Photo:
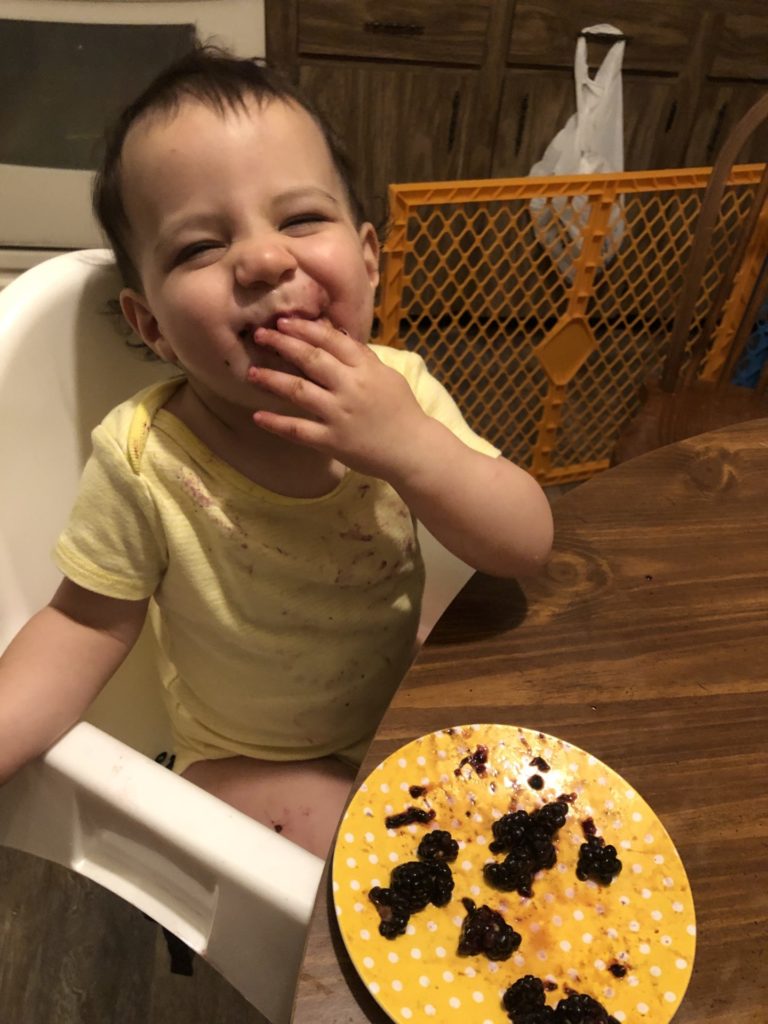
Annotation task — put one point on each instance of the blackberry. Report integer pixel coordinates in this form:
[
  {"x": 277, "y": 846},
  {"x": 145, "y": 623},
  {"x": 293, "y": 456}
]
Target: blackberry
[
  {"x": 408, "y": 817},
  {"x": 392, "y": 910},
  {"x": 542, "y": 849},
  {"x": 524, "y": 1001},
  {"x": 515, "y": 872},
  {"x": 597, "y": 861},
  {"x": 509, "y": 831},
  {"x": 551, "y": 817},
  {"x": 578, "y": 1008},
  {"x": 527, "y": 840},
  {"x": 438, "y": 845},
  {"x": 485, "y": 931},
  {"x": 546, "y": 1015},
  {"x": 442, "y": 883},
  {"x": 421, "y": 882}
]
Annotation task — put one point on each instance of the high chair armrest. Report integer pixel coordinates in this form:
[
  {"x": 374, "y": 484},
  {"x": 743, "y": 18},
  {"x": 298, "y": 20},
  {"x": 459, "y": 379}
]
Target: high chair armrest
[{"x": 230, "y": 888}]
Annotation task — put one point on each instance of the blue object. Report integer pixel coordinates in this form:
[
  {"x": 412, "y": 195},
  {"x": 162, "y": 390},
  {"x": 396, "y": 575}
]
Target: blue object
[{"x": 755, "y": 355}]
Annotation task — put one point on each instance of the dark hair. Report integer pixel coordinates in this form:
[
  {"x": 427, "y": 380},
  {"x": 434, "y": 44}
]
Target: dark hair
[{"x": 214, "y": 77}]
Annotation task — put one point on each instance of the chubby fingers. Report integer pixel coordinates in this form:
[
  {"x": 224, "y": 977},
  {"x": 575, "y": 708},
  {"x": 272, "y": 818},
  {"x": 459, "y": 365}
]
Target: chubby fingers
[
  {"x": 310, "y": 398},
  {"x": 315, "y": 347}
]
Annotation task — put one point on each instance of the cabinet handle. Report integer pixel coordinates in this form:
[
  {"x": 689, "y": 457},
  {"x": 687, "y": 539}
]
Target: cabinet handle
[
  {"x": 671, "y": 116},
  {"x": 521, "y": 124},
  {"x": 455, "y": 104},
  {"x": 715, "y": 132},
  {"x": 393, "y": 28}
]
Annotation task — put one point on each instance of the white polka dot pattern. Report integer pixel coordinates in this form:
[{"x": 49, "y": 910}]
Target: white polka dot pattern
[{"x": 573, "y": 932}]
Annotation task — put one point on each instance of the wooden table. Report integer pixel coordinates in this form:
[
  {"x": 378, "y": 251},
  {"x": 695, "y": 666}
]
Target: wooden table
[{"x": 646, "y": 643}]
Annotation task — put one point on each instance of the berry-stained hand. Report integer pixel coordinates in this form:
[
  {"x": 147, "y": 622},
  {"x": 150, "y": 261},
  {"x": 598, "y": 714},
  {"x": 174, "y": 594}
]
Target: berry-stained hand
[{"x": 349, "y": 404}]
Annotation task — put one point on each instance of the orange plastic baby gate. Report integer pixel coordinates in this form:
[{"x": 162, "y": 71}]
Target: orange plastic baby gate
[{"x": 544, "y": 336}]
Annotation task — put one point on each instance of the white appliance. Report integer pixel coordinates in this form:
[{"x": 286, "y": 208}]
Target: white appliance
[{"x": 66, "y": 68}]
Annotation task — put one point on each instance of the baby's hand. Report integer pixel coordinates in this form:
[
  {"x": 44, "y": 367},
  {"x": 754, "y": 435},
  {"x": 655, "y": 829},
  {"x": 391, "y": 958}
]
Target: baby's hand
[{"x": 358, "y": 410}]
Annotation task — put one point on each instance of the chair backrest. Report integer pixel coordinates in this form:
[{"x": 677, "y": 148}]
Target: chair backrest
[
  {"x": 66, "y": 359},
  {"x": 700, "y": 252}
]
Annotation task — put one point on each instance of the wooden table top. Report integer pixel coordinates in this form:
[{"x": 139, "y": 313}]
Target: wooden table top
[{"x": 646, "y": 643}]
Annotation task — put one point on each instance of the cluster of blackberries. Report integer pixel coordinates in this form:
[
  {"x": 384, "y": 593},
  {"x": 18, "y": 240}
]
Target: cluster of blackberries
[
  {"x": 597, "y": 861},
  {"x": 527, "y": 841},
  {"x": 411, "y": 887},
  {"x": 525, "y": 1003},
  {"x": 485, "y": 932},
  {"x": 438, "y": 845}
]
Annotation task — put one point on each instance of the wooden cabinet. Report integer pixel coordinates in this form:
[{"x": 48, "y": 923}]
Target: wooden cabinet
[
  {"x": 399, "y": 123},
  {"x": 659, "y": 33},
  {"x": 449, "y": 32},
  {"x": 440, "y": 89},
  {"x": 723, "y": 103},
  {"x": 522, "y": 133}
]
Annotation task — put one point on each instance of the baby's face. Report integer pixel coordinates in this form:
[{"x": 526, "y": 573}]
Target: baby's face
[{"x": 234, "y": 220}]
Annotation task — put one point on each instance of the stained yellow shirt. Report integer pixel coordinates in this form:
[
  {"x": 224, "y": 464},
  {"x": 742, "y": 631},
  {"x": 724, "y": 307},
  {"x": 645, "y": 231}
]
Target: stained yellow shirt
[{"x": 285, "y": 624}]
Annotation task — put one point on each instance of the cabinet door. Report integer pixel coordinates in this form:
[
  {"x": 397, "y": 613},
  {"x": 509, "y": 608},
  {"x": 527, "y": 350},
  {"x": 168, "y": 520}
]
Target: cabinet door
[
  {"x": 398, "y": 123},
  {"x": 536, "y": 104},
  {"x": 534, "y": 107},
  {"x": 721, "y": 106},
  {"x": 650, "y": 122}
]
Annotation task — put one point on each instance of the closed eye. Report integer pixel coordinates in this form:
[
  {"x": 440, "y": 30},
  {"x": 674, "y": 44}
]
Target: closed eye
[
  {"x": 188, "y": 252},
  {"x": 303, "y": 220}
]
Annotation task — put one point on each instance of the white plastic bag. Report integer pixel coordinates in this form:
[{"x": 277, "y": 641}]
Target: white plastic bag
[{"x": 591, "y": 142}]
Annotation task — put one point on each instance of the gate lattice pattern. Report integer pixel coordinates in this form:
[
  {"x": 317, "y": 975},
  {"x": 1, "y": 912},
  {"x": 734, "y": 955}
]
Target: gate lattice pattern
[{"x": 545, "y": 334}]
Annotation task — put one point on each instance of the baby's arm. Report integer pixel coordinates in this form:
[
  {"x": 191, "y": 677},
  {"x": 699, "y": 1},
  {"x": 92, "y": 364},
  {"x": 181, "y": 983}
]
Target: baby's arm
[
  {"x": 56, "y": 666},
  {"x": 487, "y": 511}
]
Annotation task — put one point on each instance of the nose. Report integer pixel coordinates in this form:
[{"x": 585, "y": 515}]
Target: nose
[{"x": 262, "y": 261}]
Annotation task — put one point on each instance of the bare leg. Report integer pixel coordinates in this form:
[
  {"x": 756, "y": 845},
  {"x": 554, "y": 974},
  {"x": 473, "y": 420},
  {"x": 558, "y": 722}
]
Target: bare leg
[{"x": 303, "y": 800}]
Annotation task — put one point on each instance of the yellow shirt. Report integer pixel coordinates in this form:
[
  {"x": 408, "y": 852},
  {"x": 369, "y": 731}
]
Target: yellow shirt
[{"x": 286, "y": 624}]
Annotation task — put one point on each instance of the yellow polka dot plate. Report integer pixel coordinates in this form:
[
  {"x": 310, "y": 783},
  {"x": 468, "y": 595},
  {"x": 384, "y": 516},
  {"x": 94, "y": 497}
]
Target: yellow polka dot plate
[{"x": 630, "y": 945}]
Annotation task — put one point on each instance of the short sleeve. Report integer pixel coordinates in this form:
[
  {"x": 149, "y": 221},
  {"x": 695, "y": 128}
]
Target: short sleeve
[
  {"x": 433, "y": 397},
  {"x": 113, "y": 543}
]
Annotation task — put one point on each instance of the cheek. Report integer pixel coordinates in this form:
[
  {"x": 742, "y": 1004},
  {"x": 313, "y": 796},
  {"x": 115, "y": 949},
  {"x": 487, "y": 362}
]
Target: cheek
[{"x": 195, "y": 305}]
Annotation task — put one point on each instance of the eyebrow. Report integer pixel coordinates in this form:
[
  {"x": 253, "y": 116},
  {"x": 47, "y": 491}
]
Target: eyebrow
[{"x": 306, "y": 193}]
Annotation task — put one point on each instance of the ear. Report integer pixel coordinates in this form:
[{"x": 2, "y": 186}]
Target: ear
[
  {"x": 142, "y": 320},
  {"x": 370, "y": 246}
]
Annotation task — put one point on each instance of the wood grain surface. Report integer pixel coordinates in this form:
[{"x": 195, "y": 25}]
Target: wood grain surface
[{"x": 645, "y": 643}]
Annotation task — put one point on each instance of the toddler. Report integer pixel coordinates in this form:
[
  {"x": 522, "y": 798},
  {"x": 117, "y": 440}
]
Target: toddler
[{"x": 259, "y": 506}]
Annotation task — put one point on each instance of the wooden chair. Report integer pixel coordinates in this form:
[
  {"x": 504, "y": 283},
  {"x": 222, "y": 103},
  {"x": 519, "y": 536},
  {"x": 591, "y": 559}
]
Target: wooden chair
[{"x": 678, "y": 404}]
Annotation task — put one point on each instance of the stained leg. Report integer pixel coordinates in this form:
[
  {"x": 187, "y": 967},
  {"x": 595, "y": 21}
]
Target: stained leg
[{"x": 303, "y": 800}]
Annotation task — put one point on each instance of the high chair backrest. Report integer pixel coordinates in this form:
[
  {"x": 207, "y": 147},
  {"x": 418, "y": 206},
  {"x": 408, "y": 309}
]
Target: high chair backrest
[
  {"x": 66, "y": 358},
  {"x": 233, "y": 890}
]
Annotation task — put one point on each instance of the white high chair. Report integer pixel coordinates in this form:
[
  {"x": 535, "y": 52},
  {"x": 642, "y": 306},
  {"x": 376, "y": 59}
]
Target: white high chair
[{"x": 234, "y": 891}]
